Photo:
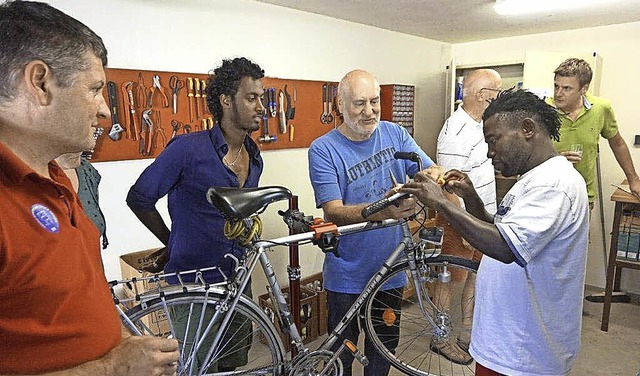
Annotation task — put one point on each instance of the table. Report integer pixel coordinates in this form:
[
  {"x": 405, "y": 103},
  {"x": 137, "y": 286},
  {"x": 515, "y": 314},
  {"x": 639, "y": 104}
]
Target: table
[{"x": 624, "y": 203}]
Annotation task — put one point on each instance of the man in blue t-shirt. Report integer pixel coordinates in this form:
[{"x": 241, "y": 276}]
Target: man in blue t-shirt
[{"x": 350, "y": 168}]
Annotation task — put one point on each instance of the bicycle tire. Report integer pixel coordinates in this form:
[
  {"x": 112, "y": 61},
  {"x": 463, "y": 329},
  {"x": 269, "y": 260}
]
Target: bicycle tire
[
  {"x": 420, "y": 346},
  {"x": 262, "y": 348}
]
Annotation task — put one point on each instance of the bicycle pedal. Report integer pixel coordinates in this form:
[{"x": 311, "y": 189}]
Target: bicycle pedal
[{"x": 357, "y": 354}]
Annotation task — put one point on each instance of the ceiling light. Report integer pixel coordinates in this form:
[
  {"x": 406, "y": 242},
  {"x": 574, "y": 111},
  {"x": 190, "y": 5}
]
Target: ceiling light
[{"x": 521, "y": 7}]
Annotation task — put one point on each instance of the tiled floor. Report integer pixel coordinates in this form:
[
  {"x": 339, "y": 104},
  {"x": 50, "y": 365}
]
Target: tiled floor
[{"x": 612, "y": 353}]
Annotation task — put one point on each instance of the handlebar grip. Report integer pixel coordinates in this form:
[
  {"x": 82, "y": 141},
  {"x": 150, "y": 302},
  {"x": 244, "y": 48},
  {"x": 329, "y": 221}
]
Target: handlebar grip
[
  {"x": 381, "y": 204},
  {"x": 411, "y": 156}
]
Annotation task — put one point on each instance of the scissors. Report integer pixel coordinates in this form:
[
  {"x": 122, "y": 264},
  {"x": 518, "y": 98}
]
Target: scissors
[{"x": 175, "y": 84}]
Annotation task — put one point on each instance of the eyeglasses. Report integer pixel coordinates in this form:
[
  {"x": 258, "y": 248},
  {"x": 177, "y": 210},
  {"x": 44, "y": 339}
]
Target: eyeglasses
[{"x": 490, "y": 89}]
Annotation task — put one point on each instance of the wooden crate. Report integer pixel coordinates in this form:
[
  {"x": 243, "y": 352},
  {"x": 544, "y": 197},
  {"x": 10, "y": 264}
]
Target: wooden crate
[
  {"x": 308, "y": 314},
  {"x": 314, "y": 283}
]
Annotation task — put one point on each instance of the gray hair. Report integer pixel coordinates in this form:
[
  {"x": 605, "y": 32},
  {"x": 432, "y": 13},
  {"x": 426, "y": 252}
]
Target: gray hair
[{"x": 36, "y": 31}]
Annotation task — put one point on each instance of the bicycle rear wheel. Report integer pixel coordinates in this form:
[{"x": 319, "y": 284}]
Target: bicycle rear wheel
[
  {"x": 448, "y": 299},
  {"x": 249, "y": 344}
]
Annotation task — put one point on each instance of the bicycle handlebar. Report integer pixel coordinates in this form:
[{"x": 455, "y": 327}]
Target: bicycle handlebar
[{"x": 381, "y": 204}]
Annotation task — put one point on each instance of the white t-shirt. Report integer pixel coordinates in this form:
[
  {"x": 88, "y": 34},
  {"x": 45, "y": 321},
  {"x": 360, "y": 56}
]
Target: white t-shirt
[
  {"x": 527, "y": 315},
  {"x": 461, "y": 146}
]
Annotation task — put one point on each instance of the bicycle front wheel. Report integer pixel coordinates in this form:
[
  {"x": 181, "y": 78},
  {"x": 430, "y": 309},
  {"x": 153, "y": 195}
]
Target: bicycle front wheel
[
  {"x": 249, "y": 343},
  {"x": 434, "y": 322}
]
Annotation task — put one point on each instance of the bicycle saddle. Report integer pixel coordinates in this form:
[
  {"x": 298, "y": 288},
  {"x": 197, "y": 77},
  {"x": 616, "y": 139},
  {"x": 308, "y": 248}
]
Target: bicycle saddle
[{"x": 240, "y": 203}]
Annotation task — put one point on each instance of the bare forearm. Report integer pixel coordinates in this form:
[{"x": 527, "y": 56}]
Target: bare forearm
[
  {"x": 481, "y": 234},
  {"x": 350, "y": 214},
  {"x": 623, "y": 156},
  {"x": 154, "y": 222},
  {"x": 96, "y": 367}
]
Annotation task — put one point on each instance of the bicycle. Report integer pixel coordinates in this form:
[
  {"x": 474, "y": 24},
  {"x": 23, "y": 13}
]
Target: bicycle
[{"x": 425, "y": 319}]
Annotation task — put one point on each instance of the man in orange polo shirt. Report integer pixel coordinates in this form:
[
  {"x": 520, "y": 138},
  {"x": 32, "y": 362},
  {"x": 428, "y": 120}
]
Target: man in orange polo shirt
[{"x": 57, "y": 312}]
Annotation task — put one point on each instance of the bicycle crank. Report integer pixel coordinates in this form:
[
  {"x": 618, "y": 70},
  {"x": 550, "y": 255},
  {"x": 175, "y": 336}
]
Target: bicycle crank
[{"x": 313, "y": 364}]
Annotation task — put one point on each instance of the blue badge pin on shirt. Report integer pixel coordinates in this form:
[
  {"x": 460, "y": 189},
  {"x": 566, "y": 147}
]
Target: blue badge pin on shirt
[{"x": 45, "y": 218}]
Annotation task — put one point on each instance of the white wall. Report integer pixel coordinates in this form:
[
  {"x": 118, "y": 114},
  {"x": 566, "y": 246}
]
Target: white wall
[
  {"x": 618, "y": 46},
  {"x": 194, "y": 35}
]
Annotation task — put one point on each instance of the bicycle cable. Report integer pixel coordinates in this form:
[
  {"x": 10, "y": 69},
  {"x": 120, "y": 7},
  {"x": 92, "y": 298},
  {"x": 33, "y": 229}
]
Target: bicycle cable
[{"x": 234, "y": 229}]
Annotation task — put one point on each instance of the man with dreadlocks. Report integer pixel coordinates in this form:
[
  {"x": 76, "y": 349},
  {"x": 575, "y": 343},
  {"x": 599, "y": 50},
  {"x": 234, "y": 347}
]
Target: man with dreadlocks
[{"x": 535, "y": 244}]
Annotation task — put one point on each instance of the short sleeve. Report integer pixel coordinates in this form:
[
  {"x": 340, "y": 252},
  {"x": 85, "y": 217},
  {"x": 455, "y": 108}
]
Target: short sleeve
[
  {"x": 610, "y": 128},
  {"x": 533, "y": 221},
  {"x": 323, "y": 175}
]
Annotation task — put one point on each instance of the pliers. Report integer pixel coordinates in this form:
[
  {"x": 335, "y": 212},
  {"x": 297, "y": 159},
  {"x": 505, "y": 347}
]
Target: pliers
[{"x": 158, "y": 86}]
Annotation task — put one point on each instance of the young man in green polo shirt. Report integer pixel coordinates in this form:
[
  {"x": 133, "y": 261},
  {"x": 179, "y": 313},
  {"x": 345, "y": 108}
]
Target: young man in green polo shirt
[{"x": 584, "y": 119}]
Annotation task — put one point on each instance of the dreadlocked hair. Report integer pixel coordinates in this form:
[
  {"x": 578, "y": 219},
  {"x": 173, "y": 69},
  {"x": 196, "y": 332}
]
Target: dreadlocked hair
[{"x": 515, "y": 105}]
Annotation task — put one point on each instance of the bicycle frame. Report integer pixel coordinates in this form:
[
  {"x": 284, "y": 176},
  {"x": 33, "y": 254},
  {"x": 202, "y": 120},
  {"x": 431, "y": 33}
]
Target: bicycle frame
[
  {"x": 283, "y": 313},
  {"x": 257, "y": 254}
]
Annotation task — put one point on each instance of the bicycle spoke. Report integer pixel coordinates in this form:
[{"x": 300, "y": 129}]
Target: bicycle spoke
[{"x": 447, "y": 301}]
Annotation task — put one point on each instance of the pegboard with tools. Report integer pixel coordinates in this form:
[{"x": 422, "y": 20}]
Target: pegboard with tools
[{"x": 148, "y": 108}]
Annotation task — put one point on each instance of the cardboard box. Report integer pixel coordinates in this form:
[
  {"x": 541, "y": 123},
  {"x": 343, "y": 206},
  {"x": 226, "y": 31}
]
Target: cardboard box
[
  {"x": 131, "y": 265},
  {"x": 308, "y": 315}
]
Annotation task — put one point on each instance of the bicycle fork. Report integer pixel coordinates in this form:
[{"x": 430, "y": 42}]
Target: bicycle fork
[{"x": 440, "y": 328}]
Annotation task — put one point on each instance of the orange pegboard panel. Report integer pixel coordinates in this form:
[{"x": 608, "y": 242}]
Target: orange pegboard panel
[{"x": 135, "y": 106}]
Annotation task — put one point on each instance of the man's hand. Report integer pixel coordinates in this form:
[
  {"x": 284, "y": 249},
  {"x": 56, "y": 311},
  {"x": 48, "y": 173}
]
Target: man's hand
[
  {"x": 572, "y": 156},
  {"x": 406, "y": 208},
  {"x": 144, "y": 355},
  {"x": 634, "y": 186},
  {"x": 459, "y": 183},
  {"x": 425, "y": 189}
]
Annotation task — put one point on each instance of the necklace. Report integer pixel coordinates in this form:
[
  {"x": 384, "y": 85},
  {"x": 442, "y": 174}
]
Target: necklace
[{"x": 235, "y": 160}]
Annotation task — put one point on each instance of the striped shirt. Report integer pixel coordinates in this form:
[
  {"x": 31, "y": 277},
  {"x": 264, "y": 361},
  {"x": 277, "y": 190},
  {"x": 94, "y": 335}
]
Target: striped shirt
[{"x": 461, "y": 146}]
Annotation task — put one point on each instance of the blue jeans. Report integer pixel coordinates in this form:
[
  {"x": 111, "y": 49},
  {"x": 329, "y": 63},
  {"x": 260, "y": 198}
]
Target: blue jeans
[{"x": 338, "y": 305}]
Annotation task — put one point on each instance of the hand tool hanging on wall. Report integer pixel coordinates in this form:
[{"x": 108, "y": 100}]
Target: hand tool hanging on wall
[
  {"x": 336, "y": 109},
  {"x": 146, "y": 133},
  {"x": 198, "y": 94},
  {"x": 126, "y": 109},
  {"x": 132, "y": 111},
  {"x": 175, "y": 125},
  {"x": 272, "y": 101},
  {"x": 330, "y": 104},
  {"x": 190, "y": 97},
  {"x": 141, "y": 91},
  {"x": 116, "y": 128},
  {"x": 323, "y": 117},
  {"x": 281, "y": 112},
  {"x": 157, "y": 86},
  {"x": 205, "y": 105},
  {"x": 290, "y": 111},
  {"x": 266, "y": 137},
  {"x": 175, "y": 84},
  {"x": 159, "y": 132},
  {"x": 210, "y": 122},
  {"x": 187, "y": 128}
]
